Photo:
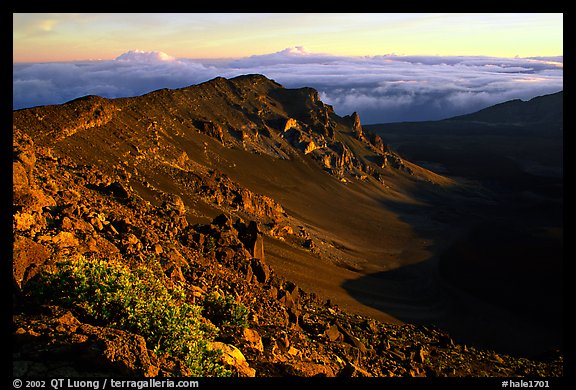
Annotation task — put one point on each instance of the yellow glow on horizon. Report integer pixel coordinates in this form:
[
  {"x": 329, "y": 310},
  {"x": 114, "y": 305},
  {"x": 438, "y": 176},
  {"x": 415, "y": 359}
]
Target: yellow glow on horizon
[{"x": 66, "y": 37}]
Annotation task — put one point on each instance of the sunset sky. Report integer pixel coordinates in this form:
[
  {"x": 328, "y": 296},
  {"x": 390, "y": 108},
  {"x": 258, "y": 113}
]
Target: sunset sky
[
  {"x": 65, "y": 37},
  {"x": 387, "y": 67}
]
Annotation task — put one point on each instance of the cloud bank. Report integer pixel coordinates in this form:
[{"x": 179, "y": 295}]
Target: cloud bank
[
  {"x": 387, "y": 88},
  {"x": 144, "y": 56}
]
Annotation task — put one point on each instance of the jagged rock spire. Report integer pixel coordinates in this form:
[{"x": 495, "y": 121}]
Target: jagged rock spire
[{"x": 357, "y": 126}]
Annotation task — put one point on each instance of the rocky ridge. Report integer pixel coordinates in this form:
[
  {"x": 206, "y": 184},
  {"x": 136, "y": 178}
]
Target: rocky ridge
[
  {"x": 116, "y": 206},
  {"x": 249, "y": 112}
]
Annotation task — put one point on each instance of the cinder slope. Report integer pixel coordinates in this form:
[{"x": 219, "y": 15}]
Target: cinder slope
[{"x": 327, "y": 175}]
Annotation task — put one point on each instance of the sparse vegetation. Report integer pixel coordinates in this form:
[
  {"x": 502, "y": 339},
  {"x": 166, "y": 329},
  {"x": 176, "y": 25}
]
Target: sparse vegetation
[
  {"x": 136, "y": 301},
  {"x": 224, "y": 310}
]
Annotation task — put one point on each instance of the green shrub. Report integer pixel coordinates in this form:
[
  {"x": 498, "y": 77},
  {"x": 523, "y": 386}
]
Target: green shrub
[
  {"x": 225, "y": 310},
  {"x": 136, "y": 301}
]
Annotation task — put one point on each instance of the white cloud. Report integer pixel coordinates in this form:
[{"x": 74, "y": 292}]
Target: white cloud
[
  {"x": 144, "y": 56},
  {"x": 291, "y": 55},
  {"x": 380, "y": 88}
]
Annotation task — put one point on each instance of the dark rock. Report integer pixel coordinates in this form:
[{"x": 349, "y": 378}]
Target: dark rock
[
  {"x": 333, "y": 333},
  {"x": 225, "y": 254},
  {"x": 260, "y": 269},
  {"x": 20, "y": 181},
  {"x": 230, "y": 238},
  {"x": 247, "y": 270},
  {"x": 309, "y": 244},
  {"x": 212, "y": 129},
  {"x": 174, "y": 203},
  {"x": 377, "y": 142},
  {"x": 223, "y": 221},
  {"x": 32, "y": 199},
  {"x": 273, "y": 292},
  {"x": 372, "y": 326},
  {"x": 118, "y": 190},
  {"x": 293, "y": 307},
  {"x": 65, "y": 240},
  {"x": 351, "y": 339},
  {"x": 357, "y": 126},
  {"x": 293, "y": 289},
  {"x": 28, "y": 257},
  {"x": 352, "y": 370},
  {"x": 253, "y": 240},
  {"x": 82, "y": 347},
  {"x": 253, "y": 339}
]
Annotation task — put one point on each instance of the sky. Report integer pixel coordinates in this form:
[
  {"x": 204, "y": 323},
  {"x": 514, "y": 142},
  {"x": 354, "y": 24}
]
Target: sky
[{"x": 387, "y": 67}]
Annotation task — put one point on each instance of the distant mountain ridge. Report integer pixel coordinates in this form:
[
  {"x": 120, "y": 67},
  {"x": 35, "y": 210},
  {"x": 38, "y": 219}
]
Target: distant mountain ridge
[
  {"x": 520, "y": 135},
  {"x": 547, "y": 109},
  {"x": 539, "y": 116}
]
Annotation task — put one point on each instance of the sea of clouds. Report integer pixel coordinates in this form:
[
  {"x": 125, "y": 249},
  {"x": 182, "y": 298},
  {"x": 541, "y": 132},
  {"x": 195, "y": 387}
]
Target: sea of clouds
[{"x": 387, "y": 88}]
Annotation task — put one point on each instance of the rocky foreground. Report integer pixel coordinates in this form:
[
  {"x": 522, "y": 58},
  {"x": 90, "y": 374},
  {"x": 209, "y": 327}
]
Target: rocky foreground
[{"x": 267, "y": 327}]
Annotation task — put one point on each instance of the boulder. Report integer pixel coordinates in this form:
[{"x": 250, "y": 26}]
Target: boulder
[
  {"x": 377, "y": 142},
  {"x": 310, "y": 147},
  {"x": 20, "y": 180},
  {"x": 212, "y": 129},
  {"x": 174, "y": 203},
  {"x": 253, "y": 339},
  {"x": 233, "y": 357},
  {"x": 352, "y": 340},
  {"x": 260, "y": 270},
  {"x": 291, "y": 303},
  {"x": 253, "y": 240},
  {"x": 117, "y": 190},
  {"x": 223, "y": 221},
  {"x": 31, "y": 199},
  {"x": 332, "y": 333},
  {"x": 65, "y": 240},
  {"x": 59, "y": 340},
  {"x": 27, "y": 259},
  {"x": 311, "y": 369},
  {"x": 24, "y": 221},
  {"x": 291, "y": 123},
  {"x": 352, "y": 370}
]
